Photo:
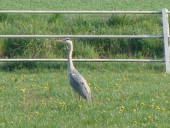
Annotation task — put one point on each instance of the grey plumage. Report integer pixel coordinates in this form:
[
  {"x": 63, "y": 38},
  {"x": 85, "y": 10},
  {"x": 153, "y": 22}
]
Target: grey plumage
[{"x": 76, "y": 80}]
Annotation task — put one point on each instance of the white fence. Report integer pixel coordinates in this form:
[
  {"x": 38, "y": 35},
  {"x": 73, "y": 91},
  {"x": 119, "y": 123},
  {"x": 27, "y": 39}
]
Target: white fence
[{"x": 165, "y": 35}]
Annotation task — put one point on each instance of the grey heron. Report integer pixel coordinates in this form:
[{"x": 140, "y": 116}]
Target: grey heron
[{"x": 77, "y": 82}]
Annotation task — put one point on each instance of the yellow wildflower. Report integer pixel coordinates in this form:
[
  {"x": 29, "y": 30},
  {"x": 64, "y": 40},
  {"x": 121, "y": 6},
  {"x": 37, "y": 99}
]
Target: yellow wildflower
[
  {"x": 107, "y": 99},
  {"x": 149, "y": 117},
  {"x": 122, "y": 107},
  {"x": 104, "y": 112},
  {"x": 32, "y": 85},
  {"x": 37, "y": 113},
  {"x": 164, "y": 74},
  {"x": 143, "y": 124},
  {"x": 43, "y": 102},
  {"x": 157, "y": 108},
  {"x": 152, "y": 106},
  {"x": 143, "y": 104},
  {"x": 163, "y": 109},
  {"x": 62, "y": 103},
  {"x": 80, "y": 106},
  {"x": 134, "y": 110},
  {"x": 121, "y": 110},
  {"x": 23, "y": 89},
  {"x": 1, "y": 88},
  {"x": 135, "y": 122}
]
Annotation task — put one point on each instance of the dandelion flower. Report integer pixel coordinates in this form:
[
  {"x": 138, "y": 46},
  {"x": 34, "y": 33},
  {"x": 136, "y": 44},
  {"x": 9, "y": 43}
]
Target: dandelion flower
[
  {"x": 126, "y": 98},
  {"x": 122, "y": 107},
  {"x": 32, "y": 85},
  {"x": 45, "y": 87},
  {"x": 62, "y": 103},
  {"x": 1, "y": 88},
  {"x": 164, "y": 74},
  {"x": 37, "y": 113},
  {"x": 107, "y": 99},
  {"x": 143, "y": 104},
  {"x": 121, "y": 110},
  {"x": 135, "y": 122},
  {"x": 100, "y": 89},
  {"x": 134, "y": 110},
  {"x": 143, "y": 124},
  {"x": 157, "y": 108},
  {"x": 43, "y": 102},
  {"x": 80, "y": 106},
  {"x": 152, "y": 106},
  {"x": 104, "y": 112},
  {"x": 163, "y": 109},
  {"x": 23, "y": 90},
  {"x": 149, "y": 117}
]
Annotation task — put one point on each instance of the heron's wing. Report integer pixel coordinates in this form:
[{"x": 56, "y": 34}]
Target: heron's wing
[{"x": 79, "y": 84}]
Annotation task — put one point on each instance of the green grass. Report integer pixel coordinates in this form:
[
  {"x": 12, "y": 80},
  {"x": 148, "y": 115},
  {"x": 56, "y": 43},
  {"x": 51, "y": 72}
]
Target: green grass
[
  {"x": 83, "y": 5},
  {"x": 130, "y": 95}
]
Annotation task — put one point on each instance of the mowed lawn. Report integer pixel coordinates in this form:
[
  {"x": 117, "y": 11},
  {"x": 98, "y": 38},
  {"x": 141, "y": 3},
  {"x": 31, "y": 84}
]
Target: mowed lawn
[{"x": 120, "y": 99}]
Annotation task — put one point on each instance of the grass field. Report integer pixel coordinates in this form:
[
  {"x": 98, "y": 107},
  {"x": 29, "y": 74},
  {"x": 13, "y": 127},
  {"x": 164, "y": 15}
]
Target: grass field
[
  {"x": 126, "y": 95},
  {"x": 123, "y": 97},
  {"x": 83, "y": 5}
]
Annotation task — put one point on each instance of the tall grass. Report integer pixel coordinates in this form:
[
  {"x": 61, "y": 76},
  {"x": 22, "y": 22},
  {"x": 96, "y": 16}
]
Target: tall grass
[
  {"x": 60, "y": 24},
  {"x": 82, "y": 24}
]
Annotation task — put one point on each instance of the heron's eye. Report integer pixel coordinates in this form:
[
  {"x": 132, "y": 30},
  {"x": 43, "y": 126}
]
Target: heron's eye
[{"x": 67, "y": 39}]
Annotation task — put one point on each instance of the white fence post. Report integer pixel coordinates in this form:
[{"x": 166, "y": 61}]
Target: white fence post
[{"x": 165, "y": 35}]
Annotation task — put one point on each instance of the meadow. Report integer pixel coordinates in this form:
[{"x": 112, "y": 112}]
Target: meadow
[
  {"x": 122, "y": 97},
  {"x": 38, "y": 95}
]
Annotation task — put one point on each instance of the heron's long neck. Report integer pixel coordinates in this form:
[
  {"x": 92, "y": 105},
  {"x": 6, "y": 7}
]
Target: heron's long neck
[{"x": 70, "y": 63}]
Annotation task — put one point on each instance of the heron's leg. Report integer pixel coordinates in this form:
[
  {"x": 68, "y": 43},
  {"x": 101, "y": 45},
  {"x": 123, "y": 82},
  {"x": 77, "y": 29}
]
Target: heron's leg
[
  {"x": 75, "y": 95},
  {"x": 79, "y": 98}
]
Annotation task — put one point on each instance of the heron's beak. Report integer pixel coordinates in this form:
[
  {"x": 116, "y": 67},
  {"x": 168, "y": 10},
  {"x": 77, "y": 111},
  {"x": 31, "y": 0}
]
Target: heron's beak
[{"x": 59, "y": 41}]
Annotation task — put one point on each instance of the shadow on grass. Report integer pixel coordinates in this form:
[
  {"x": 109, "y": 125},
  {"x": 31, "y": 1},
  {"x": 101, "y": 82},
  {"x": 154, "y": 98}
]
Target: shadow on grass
[
  {"x": 83, "y": 66},
  {"x": 13, "y": 66}
]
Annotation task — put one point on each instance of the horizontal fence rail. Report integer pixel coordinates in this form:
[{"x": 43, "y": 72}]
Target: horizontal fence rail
[
  {"x": 165, "y": 36},
  {"x": 82, "y": 60},
  {"x": 81, "y": 12},
  {"x": 80, "y": 36}
]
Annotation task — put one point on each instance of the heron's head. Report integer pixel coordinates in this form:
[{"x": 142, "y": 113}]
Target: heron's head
[{"x": 65, "y": 41}]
